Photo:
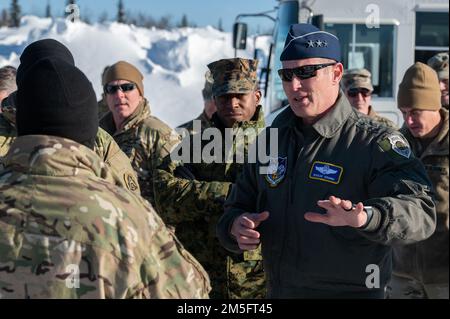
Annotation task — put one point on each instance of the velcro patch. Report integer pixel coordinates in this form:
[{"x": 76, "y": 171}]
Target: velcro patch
[{"x": 326, "y": 172}]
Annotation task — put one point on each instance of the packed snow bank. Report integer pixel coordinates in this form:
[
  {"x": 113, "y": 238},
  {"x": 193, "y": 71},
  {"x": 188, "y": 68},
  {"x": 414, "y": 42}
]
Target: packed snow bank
[{"x": 173, "y": 62}]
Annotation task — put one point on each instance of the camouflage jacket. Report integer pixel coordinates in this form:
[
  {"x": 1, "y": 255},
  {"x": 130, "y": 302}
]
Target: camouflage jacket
[
  {"x": 105, "y": 147},
  {"x": 146, "y": 140},
  {"x": 195, "y": 206},
  {"x": 66, "y": 232},
  {"x": 204, "y": 121},
  {"x": 381, "y": 119},
  {"x": 427, "y": 261},
  {"x": 7, "y": 132},
  {"x": 102, "y": 107}
]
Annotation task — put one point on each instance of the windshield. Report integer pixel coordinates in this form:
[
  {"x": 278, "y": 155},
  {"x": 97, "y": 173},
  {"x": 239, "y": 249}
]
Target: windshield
[{"x": 287, "y": 15}]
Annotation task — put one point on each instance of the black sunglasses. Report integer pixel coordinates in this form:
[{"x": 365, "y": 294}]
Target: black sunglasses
[
  {"x": 356, "y": 91},
  {"x": 111, "y": 89},
  {"x": 302, "y": 72}
]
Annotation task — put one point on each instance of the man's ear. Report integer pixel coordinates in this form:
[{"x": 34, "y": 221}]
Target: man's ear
[
  {"x": 258, "y": 96},
  {"x": 338, "y": 72}
]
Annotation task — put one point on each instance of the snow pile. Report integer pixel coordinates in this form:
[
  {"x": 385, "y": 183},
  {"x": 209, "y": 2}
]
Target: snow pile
[{"x": 173, "y": 62}]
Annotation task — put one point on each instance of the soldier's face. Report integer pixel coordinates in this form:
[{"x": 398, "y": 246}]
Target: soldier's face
[
  {"x": 123, "y": 104},
  {"x": 421, "y": 123},
  {"x": 443, "y": 83},
  {"x": 360, "y": 99},
  {"x": 232, "y": 108},
  {"x": 313, "y": 97}
]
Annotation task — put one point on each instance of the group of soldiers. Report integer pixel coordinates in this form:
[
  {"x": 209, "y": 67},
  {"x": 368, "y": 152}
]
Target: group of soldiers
[{"x": 100, "y": 188}]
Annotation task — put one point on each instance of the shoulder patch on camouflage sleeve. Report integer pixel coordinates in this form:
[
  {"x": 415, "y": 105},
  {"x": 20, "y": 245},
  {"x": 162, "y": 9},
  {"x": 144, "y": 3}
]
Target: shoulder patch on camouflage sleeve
[
  {"x": 395, "y": 144},
  {"x": 130, "y": 182}
]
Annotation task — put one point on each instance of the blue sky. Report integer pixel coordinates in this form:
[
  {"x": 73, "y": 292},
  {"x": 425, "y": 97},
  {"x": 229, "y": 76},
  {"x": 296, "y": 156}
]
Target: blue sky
[{"x": 201, "y": 12}]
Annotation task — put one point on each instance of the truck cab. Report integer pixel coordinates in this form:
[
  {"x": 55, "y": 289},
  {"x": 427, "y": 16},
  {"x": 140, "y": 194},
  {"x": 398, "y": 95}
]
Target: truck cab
[{"x": 383, "y": 36}]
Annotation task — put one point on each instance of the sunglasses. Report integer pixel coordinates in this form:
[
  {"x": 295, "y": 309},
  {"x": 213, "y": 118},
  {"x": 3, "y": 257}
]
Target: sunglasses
[
  {"x": 355, "y": 92},
  {"x": 111, "y": 89},
  {"x": 302, "y": 72}
]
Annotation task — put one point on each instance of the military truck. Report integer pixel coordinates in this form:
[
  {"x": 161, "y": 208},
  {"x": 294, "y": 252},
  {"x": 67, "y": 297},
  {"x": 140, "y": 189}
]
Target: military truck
[{"x": 383, "y": 36}]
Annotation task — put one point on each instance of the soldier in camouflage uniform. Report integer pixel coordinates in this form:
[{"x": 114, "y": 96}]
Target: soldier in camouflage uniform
[
  {"x": 439, "y": 63},
  {"x": 66, "y": 231},
  {"x": 237, "y": 99},
  {"x": 145, "y": 139},
  {"x": 421, "y": 270},
  {"x": 105, "y": 146},
  {"x": 7, "y": 81},
  {"x": 209, "y": 107},
  {"x": 358, "y": 88},
  {"x": 102, "y": 105}
]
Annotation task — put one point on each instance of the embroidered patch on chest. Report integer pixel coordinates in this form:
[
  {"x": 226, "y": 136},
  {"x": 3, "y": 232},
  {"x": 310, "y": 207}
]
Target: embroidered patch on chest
[
  {"x": 276, "y": 171},
  {"x": 326, "y": 172}
]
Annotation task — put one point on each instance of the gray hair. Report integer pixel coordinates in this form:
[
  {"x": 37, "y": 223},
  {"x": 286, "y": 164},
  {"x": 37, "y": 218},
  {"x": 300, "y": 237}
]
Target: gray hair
[{"x": 8, "y": 79}]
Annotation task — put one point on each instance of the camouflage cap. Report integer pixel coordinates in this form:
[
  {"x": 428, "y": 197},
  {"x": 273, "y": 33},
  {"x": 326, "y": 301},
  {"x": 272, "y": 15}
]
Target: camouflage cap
[
  {"x": 357, "y": 78},
  {"x": 233, "y": 76},
  {"x": 439, "y": 63},
  {"x": 207, "y": 89}
]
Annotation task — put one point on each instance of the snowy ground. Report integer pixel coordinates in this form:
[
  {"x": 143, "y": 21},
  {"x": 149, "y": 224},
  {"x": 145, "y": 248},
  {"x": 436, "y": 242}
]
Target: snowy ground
[{"x": 173, "y": 62}]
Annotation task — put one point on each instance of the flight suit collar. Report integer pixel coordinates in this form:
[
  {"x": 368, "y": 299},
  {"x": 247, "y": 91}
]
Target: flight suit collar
[{"x": 329, "y": 125}]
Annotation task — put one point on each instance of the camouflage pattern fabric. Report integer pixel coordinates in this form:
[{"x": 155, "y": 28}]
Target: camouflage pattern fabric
[
  {"x": 386, "y": 122},
  {"x": 195, "y": 206},
  {"x": 7, "y": 133},
  {"x": 105, "y": 147},
  {"x": 233, "y": 76},
  {"x": 65, "y": 232},
  {"x": 146, "y": 140},
  {"x": 204, "y": 121},
  {"x": 357, "y": 78},
  {"x": 102, "y": 107}
]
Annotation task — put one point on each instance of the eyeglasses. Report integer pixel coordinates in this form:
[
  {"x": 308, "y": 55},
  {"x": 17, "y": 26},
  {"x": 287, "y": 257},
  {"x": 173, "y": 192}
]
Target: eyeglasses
[
  {"x": 356, "y": 91},
  {"x": 111, "y": 89},
  {"x": 302, "y": 72}
]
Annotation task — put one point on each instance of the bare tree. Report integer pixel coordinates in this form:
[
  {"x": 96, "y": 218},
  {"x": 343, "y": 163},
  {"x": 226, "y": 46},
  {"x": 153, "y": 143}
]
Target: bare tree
[
  {"x": 103, "y": 17},
  {"x": 4, "y": 18},
  {"x": 219, "y": 25},
  {"x": 121, "y": 12},
  {"x": 48, "y": 10},
  {"x": 14, "y": 14}
]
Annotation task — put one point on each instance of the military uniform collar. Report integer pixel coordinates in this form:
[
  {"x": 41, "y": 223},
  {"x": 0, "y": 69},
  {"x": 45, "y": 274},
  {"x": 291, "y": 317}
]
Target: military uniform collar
[
  {"x": 439, "y": 145},
  {"x": 53, "y": 156},
  {"x": 330, "y": 124},
  {"x": 372, "y": 112},
  {"x": 140, "y": 114},
  {"x": 9, "y": 115}
]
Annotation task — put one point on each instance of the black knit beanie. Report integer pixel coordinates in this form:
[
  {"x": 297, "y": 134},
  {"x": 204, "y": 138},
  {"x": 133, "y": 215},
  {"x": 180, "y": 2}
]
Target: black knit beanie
[
  {"x": 41, "y": 49},
  {"x": 56, "y": 98}
]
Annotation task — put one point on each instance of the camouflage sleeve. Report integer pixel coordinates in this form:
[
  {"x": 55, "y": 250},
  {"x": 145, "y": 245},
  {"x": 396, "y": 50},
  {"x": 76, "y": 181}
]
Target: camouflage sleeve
[
  {"x": 243, "y": 198},
  {"x": 180, "y": 198},
  {"x": 400, "y": 191},
  {"x": 168, "y": 270},
  {"x": 119, "y": 164}
]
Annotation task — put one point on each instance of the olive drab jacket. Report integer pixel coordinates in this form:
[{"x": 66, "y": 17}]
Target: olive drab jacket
[
  {"x": 427, "y": 261},
  {"x": 348, "y": 155}
]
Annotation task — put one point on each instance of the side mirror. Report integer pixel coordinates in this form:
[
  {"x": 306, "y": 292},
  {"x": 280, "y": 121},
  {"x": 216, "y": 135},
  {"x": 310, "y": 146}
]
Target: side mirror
[
  {"x": 239, "y": 36},
  {"x": 317, "y": 21}
]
